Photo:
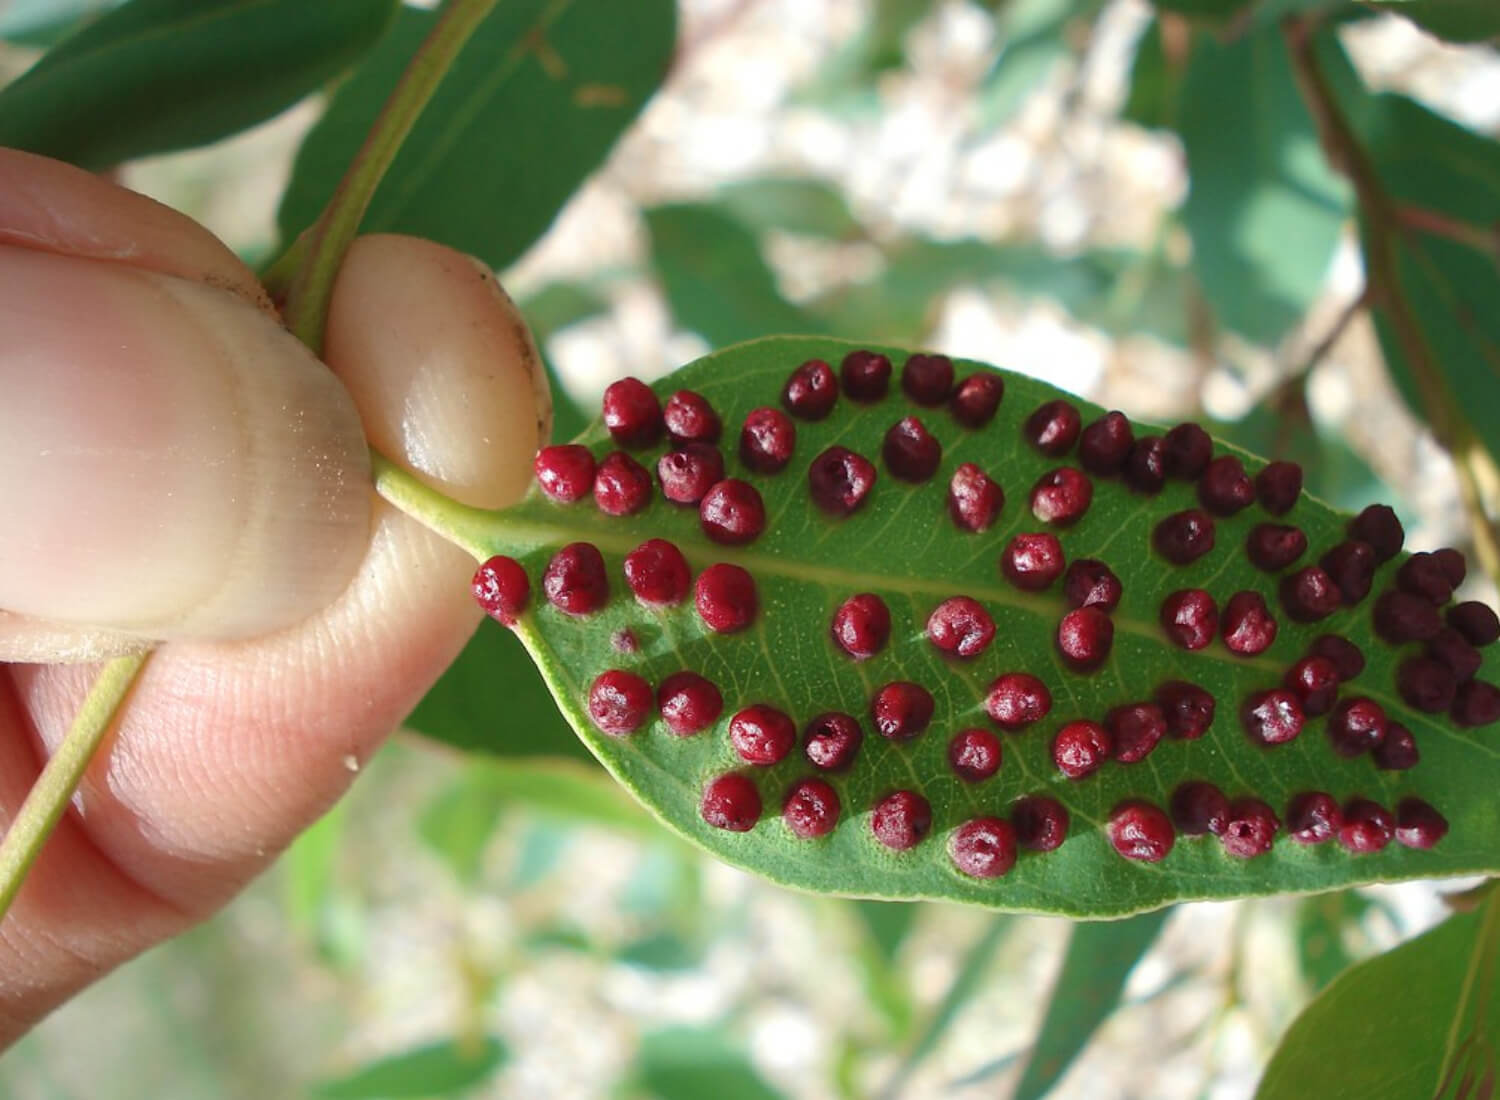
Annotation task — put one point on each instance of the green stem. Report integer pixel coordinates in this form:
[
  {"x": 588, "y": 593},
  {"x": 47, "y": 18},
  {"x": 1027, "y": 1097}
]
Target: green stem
[
  {"x": 49, "y": 796},
  {"x": 329, "y": 237}
]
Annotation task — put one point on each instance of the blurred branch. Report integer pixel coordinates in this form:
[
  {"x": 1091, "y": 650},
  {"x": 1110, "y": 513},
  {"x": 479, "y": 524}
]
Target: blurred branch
[
  {"x": 1383, "y": 223},
  {"x": 1481, "y": 238}
]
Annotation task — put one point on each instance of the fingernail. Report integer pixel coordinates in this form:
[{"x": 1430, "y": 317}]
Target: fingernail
[{"x": 172, "y": 463}]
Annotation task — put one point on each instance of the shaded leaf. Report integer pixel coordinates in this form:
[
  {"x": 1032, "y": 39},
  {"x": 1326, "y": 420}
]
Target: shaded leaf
[
  {"x": 1323, "y": 925},
  {"x": 1264, "y": 208},
  {"x": 661, "y": 951},
  {"x": 885, "y": 926},
  {"x": 491, "y": 699},
  {"x": 902, "y": 545},
  {"x": 529, "y": 109},
  {"x": 1100, "y": 958},
  {"x": 458, "y": 823},
  {"x": 156, "y": 75},
  {"x": 847, "y": 78},
  {"x": 441, "y": 1069},
  {"x": 1422, "y": 1020},
  {"x": 715, "y": 278},
  {"x": 318, "y": 904},
  {"x": 1032, "y": 42},
  {"x": 684, "y": 1063},
  {"x": 796, "y": 205},
  {"x": 1455, "y": 20},
  {"x": 1154, "y": 83},
  {"x": 1450, "y": 288},
  {"x": 551, "y": 309}
]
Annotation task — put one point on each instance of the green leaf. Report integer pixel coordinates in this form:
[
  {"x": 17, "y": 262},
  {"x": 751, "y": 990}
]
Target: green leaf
[
  {"x": 1032, "y": 42},
  {"x": 1264, "y": 209},
  {"x": 1099, "y": 960},
  {"x": 1324, "y": 925},
  {"x": 1455, "y": 20},
  {"x": 319, "y": 905},
  {"x": 530, "y": 108},
  {"x": 847, "y": 79},
  {"x": 1154, "y": 83},
  {"x": 156, "y": 75},
  {"x": 1421, "y": 1020},
  {"x": 1435, "y": 166},
  {"x": 795, "y": 205},
  {"x": 684, "y": 1063},
  {"x": 441, "y": 1069},
  {"x": 714, "y": 276},
  {"x": 493, "y": 700},
  {"x": 902, "y": 545},
  {"x": 565, "y": 789},
  {"x": 458, "y": 823}
]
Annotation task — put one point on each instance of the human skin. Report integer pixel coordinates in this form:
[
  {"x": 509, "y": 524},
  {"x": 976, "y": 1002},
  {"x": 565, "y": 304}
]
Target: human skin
[{"x": 177, "y": 471}]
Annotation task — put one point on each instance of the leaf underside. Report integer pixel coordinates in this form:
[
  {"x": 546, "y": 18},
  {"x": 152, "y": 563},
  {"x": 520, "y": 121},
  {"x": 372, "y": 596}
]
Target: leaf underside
[{"x": 902, "y": 545}]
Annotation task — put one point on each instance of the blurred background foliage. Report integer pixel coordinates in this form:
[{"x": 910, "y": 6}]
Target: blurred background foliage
[{"x": 1279, "y": 215}]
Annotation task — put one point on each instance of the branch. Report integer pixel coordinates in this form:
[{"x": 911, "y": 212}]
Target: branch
[{"x": 1383, "y": 224}]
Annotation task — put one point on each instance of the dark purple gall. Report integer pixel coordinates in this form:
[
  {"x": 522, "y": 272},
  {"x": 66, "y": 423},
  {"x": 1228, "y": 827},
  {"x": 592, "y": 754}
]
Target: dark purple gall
[
  {"x": 1199, "y": 808},
  {"x": 1278, "y": 486},
  {"x": 1016, "y": 700},
  {"x": 901, "y": 710},
  {"x": 1313, "y": 817},
  {"x": 1187, "y": 708},
  {"x": 927, "y": 379},
  {"x": 811, "y": 391},
  {"x": 1135, "y": 730},
  {"x": 731, "y": 802},
  {"x": 1476, "y": 703},
  {"x": 1061, "y": 496},
  {"x": 1190, "y": 618},
  {"x": 1105, "y": 444},
  {"x": 689, "y": 703},
  {"x": 1041, "y": 823},
  {"x": 810, "y": 809},
  {"x": 831, "y": 741},
  {"x": 1426, "y": 685},
  {"x": 1091, "y": 583},
  {"x": 1310, "y": 594},
  {"x": 1272, "y": 717},
  {"x": 691, "y": 419},
  {"x": 910, "y": 451},
  {"x": 575, "y": 581},
  {"x": 622, "y": 486},
  {"x": 725, "y": 597},
  {"x": 976, "y": 398},
  {"x": 1184, "y": 537},
  {"x": 1080, "y": 747},
  {"x": 1423, "y": 575},
  {"x": 974, "y": 754},
  {"x": 960, "y": 627},
  {"x": 1398, "y": 752},
  {"x": 688, "y": 473},
  {"x": 1141, "y": 831},
  {"x": 984, "y": 847},
  {"x": 619, "y": 702},
  {"x": 1225, "y": 488},
  {"x": 862, "y": 625},
  {"x": 1475, "y": 621},
  {"x": 565, "y": 472},
  {"x": 1347, "y": 657},
  {"x": 840, "y": 480},
  {"x": 501, "y": 587},
  {"x": 900, "y": 820},
  {"x": 1248, "y": 625},
  {"x": 732, "y": 513},
  {"x": 1032, "y": 561},
  {"x": 1401, "y": 617},
  {"x": 1351, "y": 564},
  {"x": 657, "y": 573},
  {"x": 762, "y": 735},
  {"x": 1379, "y": 526},
  {"x": 1272, "y": 547},
  {"x": 1368, "y": 826},
  {"x": 1084, "y": 638},
  {"x": 1418, "y": 825},
  {"x": 974, "y": 501},
  {"x": 1145, "y": 467},
  {"x": 1315, "y": 680},
  {"x": 1454, "y": 567},
  {"x": 1053, "y": 428},
  {"x": 1356, "y": 726},
  {"x": 632, "y": 413},
  {"x": 1250, "y": 830},
  {"x": 1450, "y": 649},
  {"x": 1188, "y": 450},
  {"x": 866, "y": 376},
  {"x": 767, "y": 440}
]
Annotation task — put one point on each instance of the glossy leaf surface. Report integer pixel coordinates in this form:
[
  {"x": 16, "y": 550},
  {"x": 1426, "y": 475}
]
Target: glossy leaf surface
[
  {"x": 1421, "y": 1020},
  {"x": 902, "y": 544},
  {"x": 156, "y": 75}
]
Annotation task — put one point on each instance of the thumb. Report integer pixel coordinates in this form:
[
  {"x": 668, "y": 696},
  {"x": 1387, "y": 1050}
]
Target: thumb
[{"x": 169, "y": 456}]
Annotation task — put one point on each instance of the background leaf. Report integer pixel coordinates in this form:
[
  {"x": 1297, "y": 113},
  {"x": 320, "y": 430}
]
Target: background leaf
[
  {"x": 796, "y": 205},
  {"x": 1264, "y": 209},
  {"x": 693, "y": 1063},
  {"x": 1455, "y": 20},
  {"x": 1100, "y": 958},
  {"x": 442, "y": 1069},
  {"x": 536, "y": 99},
  {"x": 1420, "y": 1020},
  {"x": 156, "y": 75},
  {"x": 902, "y": 545}
]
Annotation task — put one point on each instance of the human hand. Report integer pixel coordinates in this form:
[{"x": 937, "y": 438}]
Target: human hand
[{"x": 176, "y": 468}]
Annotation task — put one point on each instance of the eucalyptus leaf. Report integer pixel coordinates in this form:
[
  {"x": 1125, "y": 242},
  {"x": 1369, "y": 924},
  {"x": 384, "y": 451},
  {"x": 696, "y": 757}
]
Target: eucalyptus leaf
[
  {"x": 1422, "y": 1020},
  {"x": 529, "y": 109},
  {"x": 902, "y": 545},
  {"x": 1455, "y": 20},
  {"x": 440, "y": 1069},
  {"x": 156, "y": 75},
  {"x": 686, "y": 1063}
]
